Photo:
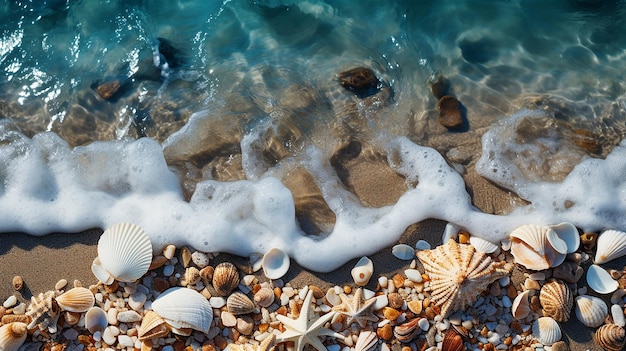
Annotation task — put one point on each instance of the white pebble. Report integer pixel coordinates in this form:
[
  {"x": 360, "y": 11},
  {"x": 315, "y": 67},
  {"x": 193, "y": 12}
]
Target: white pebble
[
  {"x": 422, "y": 245},
  {"x": 368, "y": 294},
  {"x": 414, "y": 275},
  {"x": 112, "y": 316},
  {"x": 284, "y": 299},
  {"x": 128, "y": 316},
  {"x": 200, "y": 259},
  {"x": 217, "y": 301},
  {"x": 288, "y": 291},
  {"x": 125, "y": 340},
  {"x": 10, "y": 301},
  {"x": 494, "y": 339},
  {"x": 381, "y": 302},
  {"x": 108, "y": 336},
  {"x": 467, "y": 324},
  {"x": 618, "y": 315},
  {"x": 423, "y": 324},
  {"x": 537, "y": 276},
  {"x": 382, "y": 281},
  {"x": 168, "y": 269},
  {"x": 97, "y": 336},
  {"x": 228, "y": 319},
  {"x": 20, "y": 309},
  {"x": 136, "y": 300}
]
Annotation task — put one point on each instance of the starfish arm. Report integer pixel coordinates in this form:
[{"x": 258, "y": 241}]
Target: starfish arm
[
  {"x": 299, "y": 325},
  {"x": 315, "y": 342},
  {"x": 288, "y": 335}
]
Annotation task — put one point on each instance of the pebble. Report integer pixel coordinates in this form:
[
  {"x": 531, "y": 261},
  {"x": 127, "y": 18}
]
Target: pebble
[
  {"x": 61, "y": 284},
  {"x": 423, "y": 324},
  {"x": 382, "y": 281},
  {"x": 20, "y": 309},
  {"x": 110, "y": 335},
  {"x": 70, "y": 334},
  {"x": 125, "y": 340},
  {"x": 506, "y": 301},
  {"x": 200, "y": 259},
  {"x": 10, "y": 301},
  {"x": 414, "y": 275},
  {"x": 228, "y": 319},
  {"x": 618, "y": 315},
  {"x": 560, "y": 346},
  {"x": 18, "y": 283},
  {"x": 169, "y": 251},
  {"x": 168, "y": 270},
  {"x": 128, "y": 317},
  {"x": 136, "y": 301},
  {"x": 217, "y": 301}
]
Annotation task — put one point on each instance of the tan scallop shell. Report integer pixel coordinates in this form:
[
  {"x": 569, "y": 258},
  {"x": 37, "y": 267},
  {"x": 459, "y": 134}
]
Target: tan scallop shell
[
  {"x": 238, "y": 303},
  {"x": 225, "y": 278},
  {"x": 12, "y": 336},
  {"x": 264, "y": 297},
  {"x": 611, "y": 337},
  {"x": 152, "y": 326},
  {"x": 610, "y": 245},
  {"x": 590, "y": 310},
  {"x": 557, "y": 300},
  {"x": 76, "y": 300},
  {"x": 459, "y": 274}
]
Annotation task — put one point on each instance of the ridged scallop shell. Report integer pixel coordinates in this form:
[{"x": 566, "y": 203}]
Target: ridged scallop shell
[
  {"x": 76, "y": 300},
  {"x": 275, "y": 263},
  {"x": 458, "y": 274},
  {"x": 264, "y": 297},
  {"x": 238, "y": 303},
  {"x": 537, "y": 247},
  {"x": 557, "y": 300},
  {"x": 452, "y": 341},
  {"x": 407, "y": 331},
  {"x": 611, "y": 244},
  {"x": 96, "y": 320},
  {"x": 600, "y": 280},
  {"x": 362, "y": 271},
  {"x": 546, "y": 330},
  {"x": 403, "y": 252},
  {"x": 12, "y": 336},
  {"x": 367, "y": 341},
  {"x": 521, "y": 305},
  {"x": 184, "y": 308},
  {"x": 152, "y": 326},
  {"x": 482, "y": 245},
  {"x": 590, "y": 310},
  {"x": 125, "y": 251},
  {"x": 225, "y": 278},
  {"x": 611, "y": 337},
  {"x": 44, "y": 312}
]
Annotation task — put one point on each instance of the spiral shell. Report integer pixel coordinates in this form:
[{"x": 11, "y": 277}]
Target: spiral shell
[
  {"x": 611, "y": 337},
  {"x": 264, "y": 297},
  {"x": 125, "y": 252},
  {"x": 225, "y": 278},
  {"x": 590, "y": 310},
  {"x": 546, "y": 330},
  {"x": 238, "y": 303},
  {"x": 76, "y": 300},
  {"x": 12, "y": 336},
  {"x": 556, "y": 300}
]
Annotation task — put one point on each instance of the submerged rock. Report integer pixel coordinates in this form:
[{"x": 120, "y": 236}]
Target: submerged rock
[
  {"x": 109, "y": 89},
  {"x": 360, "y": 80},
  {"x": 439, "y": 86},
  {"x": 450, "y": 114}
]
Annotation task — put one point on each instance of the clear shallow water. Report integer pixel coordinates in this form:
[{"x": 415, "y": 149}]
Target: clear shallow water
[{"x": 250, "y": 91}]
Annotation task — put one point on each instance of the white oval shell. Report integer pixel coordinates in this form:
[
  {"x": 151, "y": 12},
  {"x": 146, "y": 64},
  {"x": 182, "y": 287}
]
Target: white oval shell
[
  {"x": 125, "y": 251},
  {"x": 184, "y": 308},
  {"x": 105, "y": 277},
  {"x": 12, "y": 336},
  {"x": 569, "y": 234},
  {"x": 521, "y": 305},
  {"x": 275, "y": 263},
  {"x": 482, "y": 245},
  {"x": 77, "y": 299},
  {"x": 546, "y": 330},
  {"x": 96, "y": 320},
  {"x": 362, "y": 271},
  {"x": 611, "y": 244},
  {"x": 403, "y": 252},
  {"x": 600, "y": 280},
  {"x": 532, "y": 247},
  {"x": 590, "y": 310}
]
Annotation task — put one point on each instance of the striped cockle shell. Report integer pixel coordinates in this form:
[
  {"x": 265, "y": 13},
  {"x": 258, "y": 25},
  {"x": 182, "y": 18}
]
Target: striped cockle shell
[
  {"x": 96, "y": 319},
  {"x": 184, "y": 308},
  {"x": 367, "y": 341},
  {"x": 407, "y": 331},
  {"x": 452, "y": 341},
  {"x": 239, "y": 303},
  {"x": 611, "y": 337},
  {"x": 557, "y": 300},
  {"x": 76, "y": 300},
  {"x": 152, "y": 326},
  {"x": 590, "y": 310},
  {"x": 264, "y": 297},
  {"x": 537, "y": 247},
  {"x": 225, "y": 278},
  {"x": 546, "y": 330},
  {"x": 125, "y": 252},
  {"x": 12, "y": 336},
  {"x": 521, "y": 305},
  {"x": 610, "y": 245}
]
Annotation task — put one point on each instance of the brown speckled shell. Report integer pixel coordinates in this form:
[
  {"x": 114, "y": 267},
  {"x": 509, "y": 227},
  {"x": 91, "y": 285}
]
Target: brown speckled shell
[{"x": 225, "y": 278}]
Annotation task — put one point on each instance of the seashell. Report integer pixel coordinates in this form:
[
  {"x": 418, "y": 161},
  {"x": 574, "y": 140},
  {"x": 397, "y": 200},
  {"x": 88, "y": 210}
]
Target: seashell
[
  {"x": 588, "y": 241},
  {"x": 610, "y": 245},
  {"x": 452, "y": 341},
  {"x": 225, "y": 278},
  {"x": 458, "y": 274},
  {"x": 556, "y": 300},
  {"x": 482, "y": 245},
  {"x": 546, "y": 330},
  {"x": 403, "y": 252},
  {"x": 406, "y": 332},
  {"x": 105, "y": 277},
  {"x": 184, "y": 308},
  {"x": 192, "y": 276},
  {"x": 521, "y": 305},
  {"x": 537, "y": 247},
  {"x": 275, "y": 263},
  {"x": 76, "y": 300},
  {"x": 367, "y": 341},
  {"x": 264, "y": 297},
  {"x": 600, "y": 280},
  {"x": 590, "y": 310},
  {"x": 362, "y": 271},
  {"x": 611, "y": 337},
  {"x": 238, "y": 303},
  {"x": 569, "y": 234},
  {"x": 12, "y": 336},
  {"x": 169, "y": 251},
  {"x": 96, "y": 320},
  {"x": 152, "y": 326},
  {"x": 44, "y": 312},
  {"x": 125, "y": 252}
]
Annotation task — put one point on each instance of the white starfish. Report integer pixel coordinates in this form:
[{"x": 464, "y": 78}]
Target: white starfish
[
  {"x": 356, "y": 309},
  {"x": 305, "y": 331}
]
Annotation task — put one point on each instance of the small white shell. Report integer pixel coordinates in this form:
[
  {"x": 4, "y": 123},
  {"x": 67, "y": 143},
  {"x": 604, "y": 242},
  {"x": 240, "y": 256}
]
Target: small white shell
[
  {"x": 569, "y": 234},
  {"x": 367, "y": 341},
  {"x": 184, "y": 308},
  {"x": 275, "y": 263},
  {"x": 521, "y": 305},
  {"x": 12, "y": 336},
  {"x": 76, "y": 300},
  {"x": 125, "y": 251},
  {"x": 546, "y": 330},
  {"x": 482, "y": 245},
  {"x": 96, "y": 319},
  {"x": 611, "y": 244},
  {"x": 590, "y": 310},
  {"x": 362, "y": 271},
  {"x": 600, "y": 280},
  {"x": 403, "y": 252},
  {"x": 105, "y": 277}
]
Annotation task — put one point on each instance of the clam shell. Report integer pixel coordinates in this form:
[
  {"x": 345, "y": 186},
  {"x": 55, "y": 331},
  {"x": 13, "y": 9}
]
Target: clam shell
[
  {"x": 367, "y": 341},
  {"x": 556, "y": 300},
  {"x": 406, "y": 332},
  {"x": 521, "y": 305},
  {"x": 152, "y": 326},
  {"x": 238, "y": 303},
  {"x": 590, "y": 310},
  {"x": 184, "y": 308},
  {"x": 600, "y": 280},
  {"x": 537, "y": 247},
  {"x": 362, "y": 271},
  {"x": 105, "y": 277},
  {"x": 403, "y": 252},
  {"x": 225, "y": 278},
  {"x": 569, "y": 234},
  {"x": 76, "y": 300},
  {"x": 12, "y": 336},
  {"x": 275, "y": 263},
  {"x": 546, "y": 330},
  {"x": 452, "y": 341},
  {"x": 125, "y": 251},
  {"x": 611, "y": 337},
  {"x": 96, "y": 320},
  {"x": 264, "y": 297},
  {"x": 611, "y": 244},
  {"x": 482, "y": 245}
]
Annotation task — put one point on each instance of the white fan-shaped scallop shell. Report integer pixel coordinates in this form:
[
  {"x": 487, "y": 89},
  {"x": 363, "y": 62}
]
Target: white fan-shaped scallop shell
[
  {"x": 96, "y": 319},
  {"x": 367, "y": 341},
  {"x": 521, "y": 305},
  {"x": 611, "y": 244},
  {"x": 184, "y": 308},
  {"x": 275, "y": 263},
  {"x": 537, "y": 247},
  {"x": 125, "y": 251},
  {"x": 12, "y": 336},
  {"x": 77, "y": 299},
  {"x": 403, "y": 252},
  {"x": 362, "y": 271},
  {"x": 569, "y": 234},
  {"x": 600, "y": 280},
  {"x": 482, "y": 245},
  {"x": 546, "y": 330},
  {"x": 590, "y": 310}
]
